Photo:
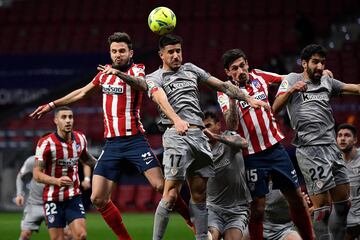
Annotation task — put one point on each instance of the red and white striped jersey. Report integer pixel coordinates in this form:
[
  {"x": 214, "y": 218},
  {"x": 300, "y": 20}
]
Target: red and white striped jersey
[
  {"x": 61, "y": 158},
  {"x": 257, "y": 126},
  {"x": 121, "y": 103}
]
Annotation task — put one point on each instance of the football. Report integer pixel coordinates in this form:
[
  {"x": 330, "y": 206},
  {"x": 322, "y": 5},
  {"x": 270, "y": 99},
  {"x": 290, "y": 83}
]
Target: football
[{"x": 162, "y": 20}]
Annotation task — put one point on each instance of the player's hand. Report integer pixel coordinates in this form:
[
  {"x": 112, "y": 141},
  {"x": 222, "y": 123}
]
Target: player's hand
[
  {"x": 181, "y": 126},
  {"x": 300, "y": 86},
  {"x": 328, "y": 73},
  {"x": 107, "y": 69},
  {"x": 19, "y": 200},
  {"x": 86, "y": 184},
  {"x": 64, "y": 181},
  {"x": 40, "y": 111},
  {"x": 209, "y": 134},
  {"x": 258, "y": 103}
]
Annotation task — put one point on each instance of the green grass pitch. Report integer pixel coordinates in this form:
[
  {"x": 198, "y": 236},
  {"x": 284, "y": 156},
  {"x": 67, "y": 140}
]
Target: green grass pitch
[{"x": 138, "y": 225}]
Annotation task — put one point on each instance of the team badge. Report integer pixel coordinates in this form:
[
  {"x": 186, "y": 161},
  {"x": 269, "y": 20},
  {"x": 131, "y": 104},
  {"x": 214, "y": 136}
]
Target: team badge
[
  {"x": 256, "y": 83},
  {"x": 319, "y": 183},
  {"x": 221, "y": 100},
  {"x": 173, "y": 171},
  {"x": 51, "y": 218}
]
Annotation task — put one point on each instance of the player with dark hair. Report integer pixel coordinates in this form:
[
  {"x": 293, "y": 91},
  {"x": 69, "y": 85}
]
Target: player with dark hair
[
  {"x": 307, "y": 96},
  {"x": 56, "y": 165},
  {"x": 34, "y": 208},
  {"x": 346, "y": 140},
  {"x": 122, "y": 85},
  {"x": 187, "y": 155},
  {"x": 265, "y": 157},
  {"x": 228, "y": 196}
]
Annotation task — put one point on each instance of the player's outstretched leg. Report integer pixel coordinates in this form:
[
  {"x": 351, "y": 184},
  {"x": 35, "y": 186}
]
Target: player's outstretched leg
[
  {"x": 100, "y": 197},
  {"x": 299, "y": 213}
]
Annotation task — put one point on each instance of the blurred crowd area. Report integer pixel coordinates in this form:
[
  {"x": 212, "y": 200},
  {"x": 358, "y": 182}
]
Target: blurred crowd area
[{"x": 48, "y": 48}]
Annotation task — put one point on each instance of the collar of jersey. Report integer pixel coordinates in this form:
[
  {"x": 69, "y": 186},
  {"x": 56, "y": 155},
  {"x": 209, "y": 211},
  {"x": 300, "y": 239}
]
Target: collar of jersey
[{"x": 64, "y": 140}]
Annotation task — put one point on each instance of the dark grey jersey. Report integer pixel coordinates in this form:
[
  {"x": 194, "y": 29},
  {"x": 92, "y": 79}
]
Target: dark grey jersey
[
  {"x": 181, "y": 88},
  {"x": 227, "y": 189},
  {"x": 277, "y": 209},
  {"x": 354, "y": 175},
  {"x": 310, "y": 111},
  {"x": 35, "y": 188}
]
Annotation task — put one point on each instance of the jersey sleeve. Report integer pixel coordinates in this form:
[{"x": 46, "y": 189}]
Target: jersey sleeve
[
  {"x": 223, "y": 101},
  {"x": 42, "y": 152},
  {"x": 269, "y": 77},
  {"x": 84, "y": 145},
  {"x": 153, "y": 83},
  {"x": 336, "y": 86},
  {"x": 285, "y": 85},
  {"x": 201, "y": 74},
  {"x": 96, "y": 80}
]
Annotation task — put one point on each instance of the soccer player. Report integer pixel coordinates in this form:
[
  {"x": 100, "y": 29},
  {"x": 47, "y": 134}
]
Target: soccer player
[
  {"x": 228, "y": 195},
  {"x": 122, "y": 85},
  {"x": 307, "y": 96},
  {"x": 34, "y": 209},
  {"x": 346, "y": 140},
  {"x": 265, "y": 156},
  {"x": 174, "y": 87},
  {"x": 56, "y": 165}
]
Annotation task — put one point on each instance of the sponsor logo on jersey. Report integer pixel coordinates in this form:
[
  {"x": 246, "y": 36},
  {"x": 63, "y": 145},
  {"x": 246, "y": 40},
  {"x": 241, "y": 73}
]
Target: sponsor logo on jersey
[
  {"x": 259, "y": 96},
  {"x": 315, "y": 97},
  {"x": 67, "y": 162},
  {"x": 111, "y": 89},
  {"x": 177, "y": 85}
]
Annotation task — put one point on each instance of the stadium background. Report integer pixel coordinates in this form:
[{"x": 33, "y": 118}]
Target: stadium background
[{"x": 48, "y": 48}]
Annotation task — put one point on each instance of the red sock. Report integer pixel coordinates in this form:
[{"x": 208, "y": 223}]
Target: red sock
[
  {"x": 256, "y": 228},
  {"x": 300, "y": 216},
  {"x": 113, "y": 218}
]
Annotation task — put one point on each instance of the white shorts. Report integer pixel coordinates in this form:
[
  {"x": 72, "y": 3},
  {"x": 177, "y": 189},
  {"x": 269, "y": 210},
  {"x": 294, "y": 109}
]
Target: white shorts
[
  {"x": 32, "y": 217},
  {"x": 224, "y": 220}
]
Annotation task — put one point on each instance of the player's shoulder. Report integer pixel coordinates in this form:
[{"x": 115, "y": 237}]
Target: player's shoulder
[
  {"x": 155, "y": 74},
  {"x": 139, "y": 65},
  {"x": 78, "y": 133},
  {"x": 294, "y": 77},
  {"x": 260, "y": 72},
  {"x": 46, "y": 138}
]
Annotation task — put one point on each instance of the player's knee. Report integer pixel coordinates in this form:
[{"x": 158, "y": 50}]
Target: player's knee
[
  {"x": 25, "y": 235},
  {"x": 158, "y": 186},
  {"x": 81, "y": 235},
  {"x": 98, "y": 201},
  {"x": 198, "y": 197}
]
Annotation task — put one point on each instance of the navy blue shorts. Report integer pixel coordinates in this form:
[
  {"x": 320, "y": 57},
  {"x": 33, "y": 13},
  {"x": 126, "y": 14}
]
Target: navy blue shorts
[
  {"x": 121, "y": 150},
  {"x": 58, "y": 214},
  {"x": 274, "y": 162}
]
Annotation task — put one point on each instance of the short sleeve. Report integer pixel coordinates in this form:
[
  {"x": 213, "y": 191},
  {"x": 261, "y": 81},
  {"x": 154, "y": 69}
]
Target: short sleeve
[
  {"x": 201, "y": 74},
  {"x": 42, "y": 151},
  {"x": 223, "y": 101},
  {"x": 153, "y": 83},
  {"x": 336, "y": 86},
  {"x": 96, "y": 80},
  {"x": 286, "y": 84},
  {"x": 269, "y": 77}
]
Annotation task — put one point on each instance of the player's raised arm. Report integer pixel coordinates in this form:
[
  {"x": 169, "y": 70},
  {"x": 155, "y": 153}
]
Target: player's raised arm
[
  {"x": 234, "y": 141},
  {"x": 74, "y": 96},
  {"x": 350, "y": 89},
  {"x": 234, "y": 92},
  {"x": 160, "y": 98},
  {"x": 136, "y": 82}
]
